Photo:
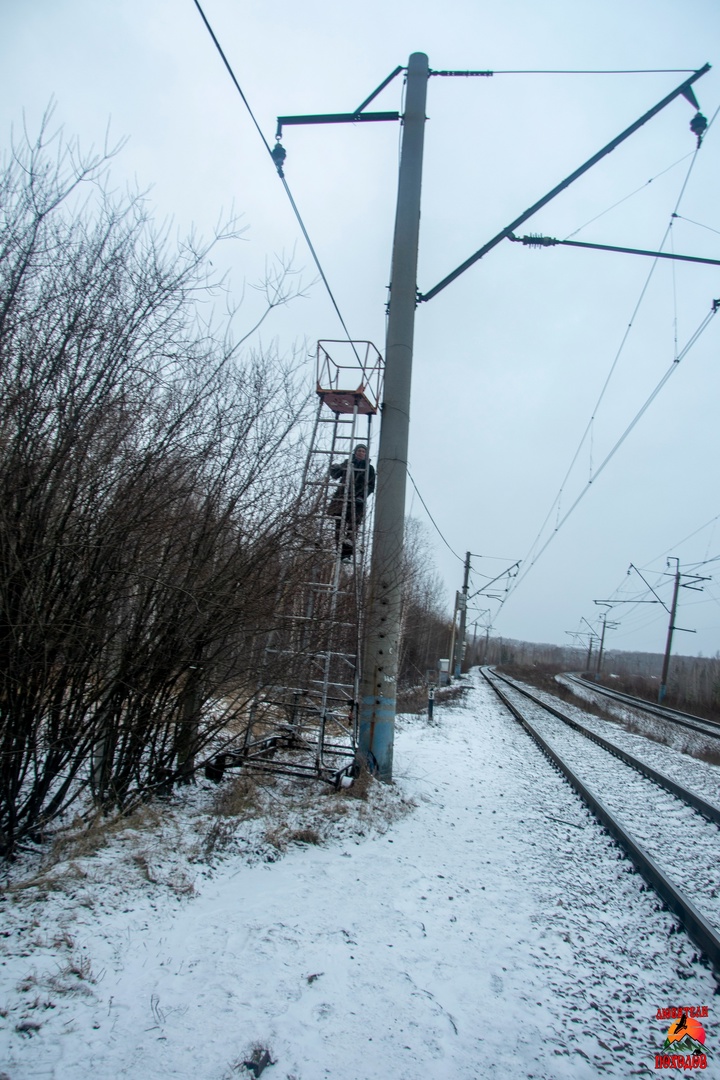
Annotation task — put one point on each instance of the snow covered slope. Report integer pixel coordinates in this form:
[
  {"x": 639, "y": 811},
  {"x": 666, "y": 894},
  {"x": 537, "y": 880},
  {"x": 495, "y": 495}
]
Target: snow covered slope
[{"x": 471, "y": 921}]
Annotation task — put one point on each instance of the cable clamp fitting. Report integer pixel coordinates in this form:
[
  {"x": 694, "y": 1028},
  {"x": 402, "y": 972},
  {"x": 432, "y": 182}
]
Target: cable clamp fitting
[
  {"x": 698, "y": 126},
  {"x": 278, "y": 154},
  {"x": 534, "y": 240}
]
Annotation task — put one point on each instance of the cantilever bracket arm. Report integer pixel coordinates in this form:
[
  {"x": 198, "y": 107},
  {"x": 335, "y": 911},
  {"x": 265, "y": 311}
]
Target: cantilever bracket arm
[
  {"x": 335, "y": 118},
  {"x": 549, "y": 241},
  {"x": 356, "y": 117},
  {"x": 684, "y": 90}
]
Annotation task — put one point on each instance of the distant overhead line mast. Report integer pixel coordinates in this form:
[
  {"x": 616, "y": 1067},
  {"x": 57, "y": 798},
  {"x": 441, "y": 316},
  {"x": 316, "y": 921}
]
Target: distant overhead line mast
[{"x": 693, "y": 580}]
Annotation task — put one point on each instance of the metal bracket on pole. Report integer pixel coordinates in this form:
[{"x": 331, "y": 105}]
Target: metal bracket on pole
[
  {"x": 380, "y": 88},
  {"x": 681, "y": 91},
  {"x": 335, "y": 118}
]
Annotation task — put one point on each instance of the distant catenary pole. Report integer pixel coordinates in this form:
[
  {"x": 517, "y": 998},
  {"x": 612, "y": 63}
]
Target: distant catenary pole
[
  {"x": 378, "y": 694},
  {"x": 451, "y": 664},
  {"x": 668, "y": 644},
  {"x": 460, "y": 643},
  {"x": 603, "y": 619}
]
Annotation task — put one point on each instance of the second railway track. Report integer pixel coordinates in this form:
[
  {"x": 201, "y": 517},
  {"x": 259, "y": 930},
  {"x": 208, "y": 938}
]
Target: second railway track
[
  {"x": 671, "y": 835},
  {"x": 697, "y": 724}
]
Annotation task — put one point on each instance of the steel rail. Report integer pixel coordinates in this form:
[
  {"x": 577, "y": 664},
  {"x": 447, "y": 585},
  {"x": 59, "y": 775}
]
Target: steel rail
[
  {"x": 697, "y": 927},
  {"x": 687, "y": 720}
]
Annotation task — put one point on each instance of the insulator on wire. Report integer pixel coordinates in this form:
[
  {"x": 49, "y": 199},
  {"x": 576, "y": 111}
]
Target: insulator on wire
[
  {"x": 538, "y": 240},
  {"x": 698, "y": 126},
  {"x": 278, "y": 154}
]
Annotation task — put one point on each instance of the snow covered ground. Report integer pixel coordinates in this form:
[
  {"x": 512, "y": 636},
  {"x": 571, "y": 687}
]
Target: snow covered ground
[{"x": 471, "y": 921}]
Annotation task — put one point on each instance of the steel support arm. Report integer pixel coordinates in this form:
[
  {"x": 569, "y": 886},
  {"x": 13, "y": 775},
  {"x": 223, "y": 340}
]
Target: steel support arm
[{"x": 684, "y": 90}]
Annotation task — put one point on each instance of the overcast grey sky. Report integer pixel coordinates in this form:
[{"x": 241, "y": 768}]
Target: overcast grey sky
[{"x": 511, "y": 358}]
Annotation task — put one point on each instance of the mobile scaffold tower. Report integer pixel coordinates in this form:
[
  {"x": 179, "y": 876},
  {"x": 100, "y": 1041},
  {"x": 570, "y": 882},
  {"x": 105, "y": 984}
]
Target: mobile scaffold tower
[{"x": 304, "y": 719}]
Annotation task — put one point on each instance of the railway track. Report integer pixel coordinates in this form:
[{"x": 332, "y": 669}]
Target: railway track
[
  {"x": 686, "y": 720},
  {"x": 670, "y": 833}
]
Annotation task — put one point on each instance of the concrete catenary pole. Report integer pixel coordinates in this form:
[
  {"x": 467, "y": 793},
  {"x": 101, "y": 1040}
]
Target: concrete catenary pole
[
  {"x": 603, "y": 619},
  {"x": 671, "y": 626},
  {"x": 460, "y": 643},
  {"x": 453, "y": 635},
  {"x": 378, "y": 693}
]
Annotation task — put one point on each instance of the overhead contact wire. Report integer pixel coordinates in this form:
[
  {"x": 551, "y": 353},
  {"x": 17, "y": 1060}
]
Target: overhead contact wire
[
  {"x": 437, "y": 527},
  {"x": 530, "y": 559},
  {"x": 266, "y": 144},
  {"x": 673, "y": 367},
  {"x": 698, "y": 223},
  {"x": 630, "y": 195},
  {"x": 231, "y": 73}
]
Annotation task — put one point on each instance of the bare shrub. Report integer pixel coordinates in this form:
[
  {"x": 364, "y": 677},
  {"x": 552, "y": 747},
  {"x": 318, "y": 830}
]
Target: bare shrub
[
  {"x": 218, "y": 837},
  {"x": 362, "y": 781},
  {"x": 149, "y": 480},
  {"x": 415, "y": 699},
  {"x": 73, "y": 977},
  {"x": 305, "y": 836},
  {"x": 86, "y": 836},
  {"x": 425, "y": 626},
  {"x": 238, "y": 797}
]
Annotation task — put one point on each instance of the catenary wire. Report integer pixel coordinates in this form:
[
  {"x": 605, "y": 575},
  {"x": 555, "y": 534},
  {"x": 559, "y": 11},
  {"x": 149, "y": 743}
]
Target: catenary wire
[
  {"x": 698, "y": 223},
  {"x": 630, "y": 195},
  {"x": 284, "y": 181},
  {"x": 555, "y": 506},
  {"x": 437, "y": 527},
  {"x": 531, "y": 559},
  {"x": 673, "y": 275},
  {"x": 674, "y": 366},
  {"x": 703, "y": 325},
  {"x": 690, "y": 536}
]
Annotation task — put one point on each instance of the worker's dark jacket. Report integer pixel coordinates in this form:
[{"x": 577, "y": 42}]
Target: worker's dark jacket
[{"x": 357, "y": 484}]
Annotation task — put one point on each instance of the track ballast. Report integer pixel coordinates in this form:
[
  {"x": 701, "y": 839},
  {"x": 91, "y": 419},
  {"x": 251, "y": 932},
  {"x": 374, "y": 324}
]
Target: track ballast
[{"x": 670, "y": 834}]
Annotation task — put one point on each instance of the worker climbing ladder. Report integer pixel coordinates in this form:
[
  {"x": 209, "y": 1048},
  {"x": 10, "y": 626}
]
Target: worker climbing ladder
[{"x": 304, "y": 719}]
